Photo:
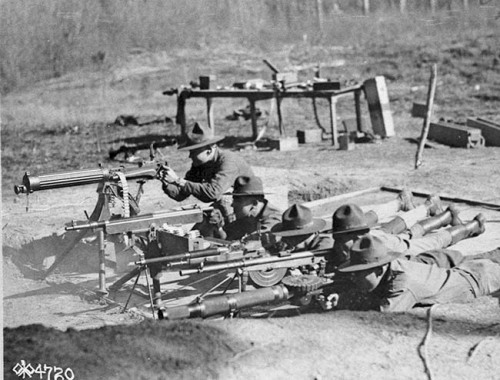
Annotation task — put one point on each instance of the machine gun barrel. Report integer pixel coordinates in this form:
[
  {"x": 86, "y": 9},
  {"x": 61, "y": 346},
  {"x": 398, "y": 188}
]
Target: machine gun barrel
[
  {"x": 227, "y": 303},
  {"x": 82, "y": 177},
  {"x": 184, "y": 256},
  {"x": 256, "y": 262},
  {"x": 142, "y": 223}
]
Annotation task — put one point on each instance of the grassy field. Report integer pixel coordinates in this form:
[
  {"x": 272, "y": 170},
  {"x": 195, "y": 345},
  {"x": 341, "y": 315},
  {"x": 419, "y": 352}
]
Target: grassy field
[{"x": 65, "y": 122}]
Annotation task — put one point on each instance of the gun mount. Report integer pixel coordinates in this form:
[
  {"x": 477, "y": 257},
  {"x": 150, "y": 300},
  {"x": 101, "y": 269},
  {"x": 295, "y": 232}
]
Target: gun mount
[
  {"x": 141, "y": 223},
  {"x": 134, "y": 225}
]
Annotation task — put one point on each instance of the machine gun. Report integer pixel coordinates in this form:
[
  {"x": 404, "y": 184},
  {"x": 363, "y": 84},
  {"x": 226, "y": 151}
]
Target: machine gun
[
  {"x": 111, "y": 185},
  {"x": 111, "y": 182},
  {"x": 264, "y": 269},
  {"x": 301, "y": 290},
  {"x": 130, "y": 226}
]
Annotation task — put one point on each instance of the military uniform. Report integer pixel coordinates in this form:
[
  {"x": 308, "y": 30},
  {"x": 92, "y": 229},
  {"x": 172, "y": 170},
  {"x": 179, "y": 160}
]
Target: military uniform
[
  {"x": 208, "y": 182},
  {"x": 268, "y": 217},
  {"x": 408, "y": 284}
]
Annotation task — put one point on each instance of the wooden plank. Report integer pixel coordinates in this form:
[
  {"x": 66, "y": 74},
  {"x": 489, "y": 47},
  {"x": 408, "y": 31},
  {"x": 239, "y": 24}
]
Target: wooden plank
[
  {"x": 340, "y": 197},
  {"x": 473, "y": 202}
]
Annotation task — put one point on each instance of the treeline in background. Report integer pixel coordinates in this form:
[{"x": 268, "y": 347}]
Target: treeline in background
[{"x": 42, "y": 39}]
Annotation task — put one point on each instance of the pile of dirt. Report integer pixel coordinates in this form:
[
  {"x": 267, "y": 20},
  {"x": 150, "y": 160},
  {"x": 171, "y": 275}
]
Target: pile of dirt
[{"x": 148, "y": 350}]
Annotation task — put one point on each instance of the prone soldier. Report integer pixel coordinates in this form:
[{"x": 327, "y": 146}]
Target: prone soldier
[
  {"x": 349, "y": 223},
  {"x": 396, "y": 284},
  {"x": 299, "y": 231}
]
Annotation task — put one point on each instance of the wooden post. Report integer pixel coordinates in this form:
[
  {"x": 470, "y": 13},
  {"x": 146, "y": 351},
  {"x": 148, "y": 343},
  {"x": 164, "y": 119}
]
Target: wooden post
[
  {"x": 357, "y": 105},
  {"x": 366, "y": 7},
  {"x": 319, "y": 9},
  {"x": 432, "y": 4},
  {"x": 427, "y": 119},
  {"x": 253, "y": 118},
  {"x": 333, "y": 121},
  {"x": 466, "y": 5},
  {"x": 402, "y": 6},
  {"x": 210, "y": 115}
]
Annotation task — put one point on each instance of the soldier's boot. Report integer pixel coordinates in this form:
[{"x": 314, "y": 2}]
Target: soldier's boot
[
  {"x": 405, "y": 198},
  {"x": 371, "y": 218},
  {"x": 434, "y": 205},
  {"x": 394, "y": 226},
  {"x": 450, "y": 216},
  {"x": 464, "y": 231}
]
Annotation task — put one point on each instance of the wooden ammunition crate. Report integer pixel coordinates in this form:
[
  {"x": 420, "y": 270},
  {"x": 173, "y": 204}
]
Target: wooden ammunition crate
[
  {"x": 456, "y": 135},
  {"x": 173, "y": 244},
  {"x": 307, "y": 136},
  {"x": 379, "y": 107},
  {"x": 489, "y": 130}
]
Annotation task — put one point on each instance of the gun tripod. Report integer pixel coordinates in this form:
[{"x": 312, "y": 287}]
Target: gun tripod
[
  {"x": 139, "y": 271},
  {"x": 106, "y": 193}
]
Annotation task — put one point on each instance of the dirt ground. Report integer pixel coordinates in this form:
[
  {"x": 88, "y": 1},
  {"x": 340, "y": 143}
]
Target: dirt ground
[{"x": 61, "y": 321}]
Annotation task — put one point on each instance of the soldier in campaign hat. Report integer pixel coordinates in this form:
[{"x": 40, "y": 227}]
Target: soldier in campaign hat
[
  {"x": 300, "y": 231},
  {"x": 212, "y": 173},
  {"x": 349, "y": 222},
  {"x": 396, "y": 284},
  {"x": 253, "y": 212}
]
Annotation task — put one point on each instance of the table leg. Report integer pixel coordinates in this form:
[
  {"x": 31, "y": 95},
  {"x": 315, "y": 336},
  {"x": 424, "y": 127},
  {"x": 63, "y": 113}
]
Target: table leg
[
  {"x": 253, "y": 116},
  {"x": 280, "y": 118},
  {"x": 333, "y": 121},
  {"x": 180, "y": 118},
  {"x": 357, "y": 105}
]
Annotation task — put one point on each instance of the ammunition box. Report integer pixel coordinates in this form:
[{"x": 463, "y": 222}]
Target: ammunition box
[
  {"x": 285, "y": 143},
  {"x": 326, "y": 86},
  {"x": 456, "y": 135},
  {"x": 309, "y": 136},
  {"x": 489, "y": 130}
]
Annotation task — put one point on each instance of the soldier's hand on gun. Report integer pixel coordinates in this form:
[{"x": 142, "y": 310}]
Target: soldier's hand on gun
[
  {"x": 270, "y": 241},
  {"x": 216, "y": 218},
  {"x": 168, "y": 175},
  {"x": 328, "y": 302}
]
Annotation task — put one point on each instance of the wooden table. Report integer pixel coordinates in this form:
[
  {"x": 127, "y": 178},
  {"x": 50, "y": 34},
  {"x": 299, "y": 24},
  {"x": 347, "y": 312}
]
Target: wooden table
[{"x": 256, "y": 95}]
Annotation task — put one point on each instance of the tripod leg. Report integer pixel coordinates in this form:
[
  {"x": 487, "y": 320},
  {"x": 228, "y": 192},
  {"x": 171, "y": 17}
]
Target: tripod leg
[
  {"x": 236, "y": 274},
  {"x": 65, "y": 253},
  {"x": 131, "y": 291},
  {"x": 121, "y": 281}
]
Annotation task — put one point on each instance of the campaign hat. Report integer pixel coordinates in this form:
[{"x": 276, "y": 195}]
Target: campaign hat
[
  {"x": 298, "y": 220},
  {"x": 366, "y": 253},
  {"x": 199, "y": 136}
]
